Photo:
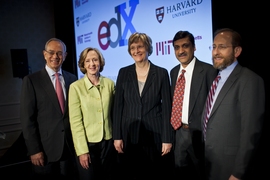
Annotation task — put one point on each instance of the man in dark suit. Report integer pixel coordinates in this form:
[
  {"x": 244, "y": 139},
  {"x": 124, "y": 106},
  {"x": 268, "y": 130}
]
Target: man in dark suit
[
  {"x": 141, "y": 123},
  {"x": 235, "y": 122},
  {"x": 188, "y": 145},
  {"x": 45, "y": 127}
]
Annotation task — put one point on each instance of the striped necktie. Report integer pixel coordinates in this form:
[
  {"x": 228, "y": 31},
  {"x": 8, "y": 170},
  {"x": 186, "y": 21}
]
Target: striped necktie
[{"x": 209, "y": 103}]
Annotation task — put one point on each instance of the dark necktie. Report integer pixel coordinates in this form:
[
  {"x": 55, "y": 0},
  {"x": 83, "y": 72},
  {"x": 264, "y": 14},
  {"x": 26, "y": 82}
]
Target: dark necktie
[
  {"x": 209, "y": 103},
  {"x": 176, "y": 118},
  {"x": 59, "y": 92}
]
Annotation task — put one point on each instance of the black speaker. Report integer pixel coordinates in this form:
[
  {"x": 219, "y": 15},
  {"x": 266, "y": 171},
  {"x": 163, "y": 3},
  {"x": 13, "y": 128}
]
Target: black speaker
[{"x": 19, "y": 60}]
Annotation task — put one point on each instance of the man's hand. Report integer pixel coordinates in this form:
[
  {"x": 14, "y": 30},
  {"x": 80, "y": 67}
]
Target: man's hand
[{"x": 37, "y": 159}]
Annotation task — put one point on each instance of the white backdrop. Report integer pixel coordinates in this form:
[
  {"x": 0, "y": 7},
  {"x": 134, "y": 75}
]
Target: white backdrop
[{"x": 107, "y": 25}]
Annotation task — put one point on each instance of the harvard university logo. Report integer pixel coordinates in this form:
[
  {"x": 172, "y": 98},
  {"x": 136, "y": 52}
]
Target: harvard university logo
[{"x": 160, "y": 14}]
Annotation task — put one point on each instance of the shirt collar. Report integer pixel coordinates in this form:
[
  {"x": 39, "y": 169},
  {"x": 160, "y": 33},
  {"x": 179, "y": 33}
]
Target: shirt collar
[{"x": 52, "y": 72}]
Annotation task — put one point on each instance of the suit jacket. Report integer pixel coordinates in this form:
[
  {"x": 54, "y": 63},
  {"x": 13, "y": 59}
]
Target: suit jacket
[
  {"x": 201, "y": 81},
  {"x": 44, "y": 126},
  {"x": 234, "y": 126},
  {"x": 90, "y": 112},
  {"x": 151, "y": 111}
]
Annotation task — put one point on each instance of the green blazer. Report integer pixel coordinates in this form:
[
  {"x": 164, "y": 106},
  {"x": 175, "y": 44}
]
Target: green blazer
[{"x": 90, "y": 112}]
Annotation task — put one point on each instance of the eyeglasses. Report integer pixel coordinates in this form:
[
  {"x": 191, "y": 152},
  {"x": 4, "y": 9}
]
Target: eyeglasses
[
  {"x": 59, "y": 53},
  {"x": 133, "y": 48},
  {"x": 221, "y": 47}
]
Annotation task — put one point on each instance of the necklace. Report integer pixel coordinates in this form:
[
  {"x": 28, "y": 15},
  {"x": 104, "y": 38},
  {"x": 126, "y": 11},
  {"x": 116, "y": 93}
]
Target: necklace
[{"x": 139, "y": 74}]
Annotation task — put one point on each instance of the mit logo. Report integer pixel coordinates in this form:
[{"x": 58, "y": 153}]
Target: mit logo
[{"x": 160, "y": 14}]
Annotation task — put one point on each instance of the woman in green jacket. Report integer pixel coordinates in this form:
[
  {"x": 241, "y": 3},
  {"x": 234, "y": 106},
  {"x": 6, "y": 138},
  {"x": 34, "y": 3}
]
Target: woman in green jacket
[{"x": 90, "y": 104}]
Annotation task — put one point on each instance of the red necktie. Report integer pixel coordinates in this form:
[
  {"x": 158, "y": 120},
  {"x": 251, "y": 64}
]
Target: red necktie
[
  {"x": 59, "y": 92},
  {"x": 176, "y": 118},
  {"x": 209, "y": 103}
]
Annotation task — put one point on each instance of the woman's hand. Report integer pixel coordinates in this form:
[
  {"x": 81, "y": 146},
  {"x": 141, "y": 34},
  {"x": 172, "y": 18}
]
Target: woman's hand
[
  {"x": 166, "y": 148},
  {"x": 118, "y": 144}
]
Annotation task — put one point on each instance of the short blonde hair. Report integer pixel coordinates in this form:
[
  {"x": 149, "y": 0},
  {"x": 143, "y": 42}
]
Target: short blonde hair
[
  {"x": 147, "y": 41},
  {"x": 83, "y": 57}
]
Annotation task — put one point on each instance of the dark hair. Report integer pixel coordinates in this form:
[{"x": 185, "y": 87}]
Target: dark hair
[
  {"x": 184, "y": 34},
  {"x": 147, "y": 41},
  {"x": 83, "y": 57},
  {"x": 236, "y": 37}
]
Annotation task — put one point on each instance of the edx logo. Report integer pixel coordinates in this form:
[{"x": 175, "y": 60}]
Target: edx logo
[{"x": 121, "y": 38}]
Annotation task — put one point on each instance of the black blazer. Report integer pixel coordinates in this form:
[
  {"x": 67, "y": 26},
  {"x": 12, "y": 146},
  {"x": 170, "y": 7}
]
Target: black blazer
[
  {"x": 44, "y": 126},
  {"x": 201, "y": 81},
  {"x": 151, "y": 110}
]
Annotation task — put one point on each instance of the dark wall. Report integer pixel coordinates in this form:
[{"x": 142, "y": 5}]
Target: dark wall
[
  {"x": 64, "y": 30},
  {"x": 246, "y": 18}
]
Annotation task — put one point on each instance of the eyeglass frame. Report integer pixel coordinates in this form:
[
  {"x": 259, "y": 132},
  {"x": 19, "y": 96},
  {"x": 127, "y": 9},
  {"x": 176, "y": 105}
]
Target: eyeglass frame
[
  {"x": 59, "y": 53},
  {"x": 139, "y": 48},
  {"x": 220, "y": 47}
]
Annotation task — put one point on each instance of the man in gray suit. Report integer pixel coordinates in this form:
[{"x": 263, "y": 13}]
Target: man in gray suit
[
  {"x": 188, "y": 145},
  {"x": 45, "y": 127},
  {"x": 235, "y": 122}
]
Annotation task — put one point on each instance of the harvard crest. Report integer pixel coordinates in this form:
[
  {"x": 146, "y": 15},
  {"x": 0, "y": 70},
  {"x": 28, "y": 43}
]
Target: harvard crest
[{"x": 160, "y": 14}]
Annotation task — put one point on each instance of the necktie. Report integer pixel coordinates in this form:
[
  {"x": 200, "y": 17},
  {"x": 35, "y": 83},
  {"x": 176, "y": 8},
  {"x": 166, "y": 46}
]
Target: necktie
[
  {"x": 209, "y": 103},
  {"x": 176, "y": 118},
  {"x": 59, "y": 92}
]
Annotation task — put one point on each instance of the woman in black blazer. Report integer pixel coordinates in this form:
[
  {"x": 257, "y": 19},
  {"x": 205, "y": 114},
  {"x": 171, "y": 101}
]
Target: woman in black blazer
[{"x": 142, "y": 131}]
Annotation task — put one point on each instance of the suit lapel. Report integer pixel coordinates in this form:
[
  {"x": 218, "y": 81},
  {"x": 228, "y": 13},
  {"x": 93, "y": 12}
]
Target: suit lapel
[
  {"x": 49, "y": 89},
  {"x": 196, "y": 83},
  {"x": 151, "y": 77},
  {"x": 226, "y": 87},
  {"x": 174, "y": 77},
  {"x": 67, "y": 84},
  {"x": 132, "y": 77},
  {"x": 67, "y": 80}
]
